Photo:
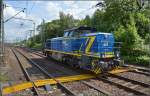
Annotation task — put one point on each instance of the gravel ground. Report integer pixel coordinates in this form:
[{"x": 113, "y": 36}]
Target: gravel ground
[
  {"x": 26, "y": 92},
  {"x": 79, "y": 88},
  {"x": 42, "y": 92},
  {"x": 15, "y": 73},
  {"x": 16, "y": 76},
  {"x": 53, "y": 67},
  {"x": 53, "y": 92},
  {"x": 132, "y": 85},
  {"x": 34, "y": 72},
  {"x": 82, "y": 90},
  {"x": 136, "y": 76},
  {"x": 110, "y": 88},
  {"x": 57, "y": 70}
]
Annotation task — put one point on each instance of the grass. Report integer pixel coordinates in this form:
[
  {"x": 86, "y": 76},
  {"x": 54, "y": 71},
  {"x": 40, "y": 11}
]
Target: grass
[
  {"x": 3, "y": 78},
  {"x": 37, "y": 46},
  {"x": 139, "y": 60}
]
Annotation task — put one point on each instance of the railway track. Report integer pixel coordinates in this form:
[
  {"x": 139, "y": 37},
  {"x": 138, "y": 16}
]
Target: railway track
[
  {"x": 140, "y": 70},
  {"x": 137, "y": 87},
  {"x": 36, "y": 93},
  {"x": 111, "y": 80},
  {"x": 112, "y": 87},
  {"x": 26, "y": 74},
  {"x": 62, "y": 68},
  {"x": 66, "y": 86},
  {"x": 136, "y": 76}
]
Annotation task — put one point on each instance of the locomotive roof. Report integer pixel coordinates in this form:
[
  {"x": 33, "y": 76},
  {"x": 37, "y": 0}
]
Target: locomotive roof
[{"x": 82, "y": 28}]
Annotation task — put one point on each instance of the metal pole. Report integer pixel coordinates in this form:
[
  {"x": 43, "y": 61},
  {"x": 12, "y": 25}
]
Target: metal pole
[
  {"x": 1, "y": 33},
  {"x": 26, "y": 39},
  {"x": 31, "y": 36},
  {"x": 43, "y": 33},
  {"x": 34, "y": 38},
  {"x": 28, "y": 36},
  {"x": 1, "y": 39},
  {"x": 1, "y": 27}
]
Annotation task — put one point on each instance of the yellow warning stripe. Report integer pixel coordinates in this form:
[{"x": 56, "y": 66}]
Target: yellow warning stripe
[
  {"x": 120, "y": 70},
  {"x": 79, "y": 55},
  {"x": 90, "y": 44},
  {"x": 26, "y": 85}
]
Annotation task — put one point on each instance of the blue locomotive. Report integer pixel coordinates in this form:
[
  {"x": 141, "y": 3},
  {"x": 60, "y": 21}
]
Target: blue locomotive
[{"x": 85, "y": 48}]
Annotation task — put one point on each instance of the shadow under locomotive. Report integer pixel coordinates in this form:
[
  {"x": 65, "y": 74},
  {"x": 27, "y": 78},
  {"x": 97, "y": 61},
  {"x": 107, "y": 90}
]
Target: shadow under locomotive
[{"x": 58, "y": 69}]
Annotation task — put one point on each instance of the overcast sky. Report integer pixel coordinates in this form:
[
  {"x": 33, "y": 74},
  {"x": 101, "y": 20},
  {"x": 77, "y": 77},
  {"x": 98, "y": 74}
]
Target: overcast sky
[{"x": 38, "y": 10}]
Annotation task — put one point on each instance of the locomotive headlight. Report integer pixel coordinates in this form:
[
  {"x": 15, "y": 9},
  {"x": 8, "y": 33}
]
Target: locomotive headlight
[
  {"x": 102, "y": 55},
  {"x": 117, "y": 53}
]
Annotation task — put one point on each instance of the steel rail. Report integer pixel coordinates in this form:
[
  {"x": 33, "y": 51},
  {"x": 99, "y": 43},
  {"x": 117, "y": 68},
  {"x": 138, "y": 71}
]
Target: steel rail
[
  {"x": 97, "y": 88},
  {"x": 135, "y": 71},
  {"x": 140, "y": 72},
  {"x": 144, "y": 70},
  {"x": 123, "y": 86},
  {"x": 39, "y": 54},
  {"x": 130, "y": 80},
  {"x": 139, "y": 68},
  {"x": 84, "y": 82},
  {"x": 120, "y": 77},
  {"x": 59, "y": 84},
  {"x": 27, "y": 76},
  {"x": 35, "y": 52}
]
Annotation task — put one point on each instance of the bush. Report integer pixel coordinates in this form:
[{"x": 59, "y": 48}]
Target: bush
[
  {"x": 37, "y": 46},
  {"x": 143, "y": 60},
  {"x": 139, "y": 60},
  {"x": 147, "y": 38},
  {"x": 30, "y": 44}
]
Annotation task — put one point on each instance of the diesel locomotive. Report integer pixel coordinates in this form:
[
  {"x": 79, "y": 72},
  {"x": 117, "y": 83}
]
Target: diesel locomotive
[{"x": 85, "y": 48}]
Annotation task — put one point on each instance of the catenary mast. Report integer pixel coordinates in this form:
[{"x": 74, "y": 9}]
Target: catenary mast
[{"x": 1, "y": 32}]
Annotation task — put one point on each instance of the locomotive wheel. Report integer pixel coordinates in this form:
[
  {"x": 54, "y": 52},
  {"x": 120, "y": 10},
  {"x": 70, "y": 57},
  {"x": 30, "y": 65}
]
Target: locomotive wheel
[
  {"x": 63, "y": 60},
  {"x": 68, "y": 60},
  {"x": 46, "y": 54}
]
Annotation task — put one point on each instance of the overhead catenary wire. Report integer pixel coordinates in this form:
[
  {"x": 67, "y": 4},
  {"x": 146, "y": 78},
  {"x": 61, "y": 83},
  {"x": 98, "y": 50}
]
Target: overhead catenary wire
[
  {"x": 34, "y": 3},
  {"x": 6, "y": 5},
  {"x": 99, "y": 4},
  {"x": 26, "y": 8},
  {"x": 18, "y": 38},
  {"x": 14, "y": 15}
]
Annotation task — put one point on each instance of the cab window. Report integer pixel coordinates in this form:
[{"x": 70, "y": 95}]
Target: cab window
[
  {"x": 66, "y": 34},
  {"x": 74, "y": 34}
]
